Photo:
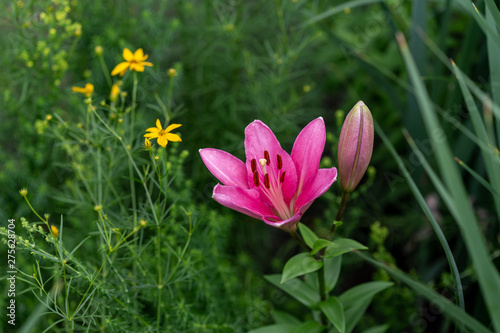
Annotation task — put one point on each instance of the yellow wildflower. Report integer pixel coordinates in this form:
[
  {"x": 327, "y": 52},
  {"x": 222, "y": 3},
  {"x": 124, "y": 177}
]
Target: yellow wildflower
[
  {"x": 87, "y": 91},
  {"x": 163, "y": 136},
  {"x": 115, "y": 92},
  {"x": 23, "y": 192},
  {"x": 133, "y": 61},
  {"x": 55, "y": 231},
  {"x": 147, "y": 144}
]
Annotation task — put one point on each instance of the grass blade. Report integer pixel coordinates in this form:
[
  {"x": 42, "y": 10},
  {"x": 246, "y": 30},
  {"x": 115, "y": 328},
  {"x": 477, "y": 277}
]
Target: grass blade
[
  {"x": 448, "y": 307},
  {"x": 488, "y": 276},
  {"x": 425, "y": 208}
]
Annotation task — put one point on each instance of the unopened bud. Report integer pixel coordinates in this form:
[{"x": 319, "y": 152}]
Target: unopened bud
[
  {"x": 115, "y": 92},
  {"x": 355, "y": 146}
]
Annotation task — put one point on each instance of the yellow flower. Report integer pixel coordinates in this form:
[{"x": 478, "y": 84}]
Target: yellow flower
[
  {"x": 55, "y": 231},
  {"x": 115, "y": 92},
  {"x": 163, "y": 135},
  {"x": 147, "y": 144},
  {"x": 87, "y": 91},
  {"x": 133, "y": 61}
]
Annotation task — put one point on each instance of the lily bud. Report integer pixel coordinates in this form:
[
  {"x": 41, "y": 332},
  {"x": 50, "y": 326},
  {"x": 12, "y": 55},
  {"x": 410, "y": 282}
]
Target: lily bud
[{"x": 355, "y": 146}]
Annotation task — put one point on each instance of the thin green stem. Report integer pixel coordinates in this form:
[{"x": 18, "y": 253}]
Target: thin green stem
[
  {"x": 169, "y": 100},
  {"x": 159, "y": 268},
  {"x": 34, "y": 211},
  {"x": 322, "y": 289},
  {"x": 340, "y": 212},
  {"x": 105, "y": 70},
  {"x": 300, "y": 240},
  {"x": 143, "y": 178}
]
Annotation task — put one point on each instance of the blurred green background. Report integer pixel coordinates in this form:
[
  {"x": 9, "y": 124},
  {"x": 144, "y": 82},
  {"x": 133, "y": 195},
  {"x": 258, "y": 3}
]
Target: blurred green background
[{"x": 283, "y": 62}]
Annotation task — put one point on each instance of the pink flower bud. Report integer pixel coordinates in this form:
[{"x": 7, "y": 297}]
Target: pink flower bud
[{"x": 355, "y": 146}]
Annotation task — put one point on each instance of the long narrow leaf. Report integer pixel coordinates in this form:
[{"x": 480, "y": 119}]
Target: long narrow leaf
[
  {"x": 448, "y": 308},
  {"x": 488, "y": 276},
  {"x": 425, "y": 208}
]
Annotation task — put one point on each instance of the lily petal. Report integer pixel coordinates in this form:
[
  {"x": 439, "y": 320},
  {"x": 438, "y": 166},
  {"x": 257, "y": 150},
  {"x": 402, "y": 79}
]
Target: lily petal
[
  {"x": 260, "y": 138},
  {"x": 246, "y": 201},
  {"x": 120, "y": 68},
  {"x": 307, "y": 150},
  {"x": 287, "y": 225},
  {"x": 128, "y": 55},
  {"x": 316, "y": 186},
  {"x": 227, "y": 168}
]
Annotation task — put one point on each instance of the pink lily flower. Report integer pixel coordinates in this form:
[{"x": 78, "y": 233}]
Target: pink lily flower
[{"x": 272, "y": 185}]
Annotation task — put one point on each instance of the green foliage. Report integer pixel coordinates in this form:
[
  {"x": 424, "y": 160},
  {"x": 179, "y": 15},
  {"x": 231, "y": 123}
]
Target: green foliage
[{"x": 130, "y": 221}]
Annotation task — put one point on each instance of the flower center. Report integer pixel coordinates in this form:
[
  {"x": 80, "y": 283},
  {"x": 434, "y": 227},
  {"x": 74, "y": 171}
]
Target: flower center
[
  {"x": 161, "y": 132},
  {"x": 272, "y": 176}
]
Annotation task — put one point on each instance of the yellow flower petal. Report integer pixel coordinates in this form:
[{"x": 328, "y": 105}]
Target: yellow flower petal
[
  {"x": 162, "y": 141},
  {"x": 158, "y": 124},
  {"x": 138, "y": 54},
  {"x": 151, "y": 135},
  {"x": 172, "y": 137},
  {"x": 172, "y": 127},
  {"x": 120, "y": 68},
  {"x": 145, "y": 63},
  {"x": 128, "y": 55},
  {"x": 153, "y": 129},
  {"x": 136, "y": 67}
]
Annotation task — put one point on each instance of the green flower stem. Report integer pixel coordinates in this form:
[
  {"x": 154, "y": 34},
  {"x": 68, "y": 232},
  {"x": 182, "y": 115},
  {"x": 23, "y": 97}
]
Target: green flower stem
[
  {"x": 89, "y": 110},
  {"x": 131, "y": 160},
  {"x": 169, "y": 100},
  {"x": 105, "y": 70},
  {"x": 160, "y": 286},
  {"x": 34, "y": 211},
  {"x": 322, "y": 289},
  {"x": 300, "y": 240},
  {"x": 131, "y": 173},
  {"x": 340, "y": 212}
]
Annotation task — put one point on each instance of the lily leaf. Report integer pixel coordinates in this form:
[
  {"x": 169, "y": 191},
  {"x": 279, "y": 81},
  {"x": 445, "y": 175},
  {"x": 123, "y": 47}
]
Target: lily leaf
[
  {"x": 300, "y": 264},
  {"x": 296, "y": 288},
  {"x": 334, "y": 311},
  {"x": 308, "y": 235},
  {"x": 337, "y": 247}
]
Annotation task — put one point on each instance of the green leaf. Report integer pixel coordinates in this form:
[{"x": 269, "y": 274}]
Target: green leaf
[
  {"x": 460, "y": 205},
  {"x": 449, "y": 309},
  {"x": 309, "y": 327},
  {"x": 334, "y": 311},
  {"x": 332, "y": 271},
  {"x": 357, "y": 299},
  {"x": 300, "y": 264},
  {"x": 279, "y": 328},
  {"x": 337, "y": 247},
  {"x": 377, "y": 329},
  {"x": 308, "y": 235},
  {"x": 281, "y": 317},
  {"x": 297, "y": 289}
]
